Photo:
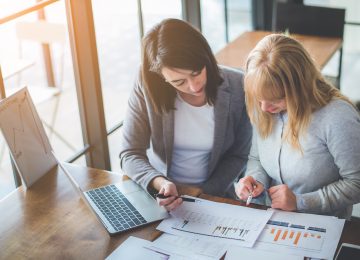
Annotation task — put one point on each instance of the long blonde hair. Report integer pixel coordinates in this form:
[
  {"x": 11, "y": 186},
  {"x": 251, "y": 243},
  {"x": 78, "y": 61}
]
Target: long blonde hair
[{"x": 279, "y": 67}]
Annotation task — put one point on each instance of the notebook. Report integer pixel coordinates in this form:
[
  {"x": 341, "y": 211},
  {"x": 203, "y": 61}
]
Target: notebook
[{"x": 119, "y": 206}]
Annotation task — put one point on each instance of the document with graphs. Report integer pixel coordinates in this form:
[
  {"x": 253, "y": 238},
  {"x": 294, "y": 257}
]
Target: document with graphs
[
  {"x": 26, "y": 137},
  {"x": 212, "y": 221},
  {"x": 301, "y": 234}
]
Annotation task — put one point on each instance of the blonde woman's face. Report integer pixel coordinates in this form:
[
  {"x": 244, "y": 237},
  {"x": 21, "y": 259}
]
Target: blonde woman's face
[{"x": 273, "y": 106}]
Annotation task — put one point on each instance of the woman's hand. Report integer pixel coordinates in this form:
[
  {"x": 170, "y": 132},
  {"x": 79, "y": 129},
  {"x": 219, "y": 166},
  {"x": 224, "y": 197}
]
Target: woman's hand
[
  {"x": 167, "y": 188},
  {"x": 248, "y": 185},
  {"x": 282, "y": 198}
]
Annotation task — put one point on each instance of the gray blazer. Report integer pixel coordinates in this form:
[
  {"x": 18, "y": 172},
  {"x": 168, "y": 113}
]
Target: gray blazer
[{"x": 144, "y": 129}]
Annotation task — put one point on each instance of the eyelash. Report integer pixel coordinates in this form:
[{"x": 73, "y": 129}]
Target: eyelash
[
  {"x": 193, "y": 74},
  {"x": 182, "y": 83}
]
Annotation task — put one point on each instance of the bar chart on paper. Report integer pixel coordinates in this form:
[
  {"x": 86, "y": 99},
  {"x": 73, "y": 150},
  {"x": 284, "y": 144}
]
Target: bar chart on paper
[
  {"x": 217, "y": 222},
  {"x": 301, "y": 234},
  {"x": 293, "y": 235}
]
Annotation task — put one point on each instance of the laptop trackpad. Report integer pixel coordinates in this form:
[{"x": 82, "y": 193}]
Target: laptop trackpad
[{"x": 147, "y": 206}]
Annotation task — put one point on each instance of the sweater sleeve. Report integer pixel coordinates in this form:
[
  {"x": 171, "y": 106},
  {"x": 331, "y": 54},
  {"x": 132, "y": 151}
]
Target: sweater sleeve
[
  {"x": 342, "y": 138},
  {"x": 135, "y": 140},
  {"x": 254, "y": 167}
]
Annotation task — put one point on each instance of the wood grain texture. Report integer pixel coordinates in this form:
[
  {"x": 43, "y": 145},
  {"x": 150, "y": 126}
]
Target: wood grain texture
[
  {"x": 50, "y": 220},
  {"x": 235, "y": 53}
]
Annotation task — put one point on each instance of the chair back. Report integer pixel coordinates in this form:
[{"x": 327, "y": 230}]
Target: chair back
[
  {"x": 41, "y": 31},
  {"x": 310, "y": 20}
]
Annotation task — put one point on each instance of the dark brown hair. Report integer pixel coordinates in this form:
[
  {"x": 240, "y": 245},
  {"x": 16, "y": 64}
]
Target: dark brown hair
[{"x": 174, "y": 43}]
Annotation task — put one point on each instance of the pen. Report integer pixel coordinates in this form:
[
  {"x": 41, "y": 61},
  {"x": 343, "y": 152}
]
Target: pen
[
  {"x": 248, "y": 201},
  {"x": 162, "y": 196}
]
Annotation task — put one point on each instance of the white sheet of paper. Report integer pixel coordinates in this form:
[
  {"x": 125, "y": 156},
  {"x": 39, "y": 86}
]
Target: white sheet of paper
[
  {"x": 301, "y": 234},
  {"x": 191, "y": 247},
  {"x": 135, "y": 248},
  {"x": 212, "y": 221},
  {"x": 235, "y": 252},
  {"x": 26, "y": 137}
]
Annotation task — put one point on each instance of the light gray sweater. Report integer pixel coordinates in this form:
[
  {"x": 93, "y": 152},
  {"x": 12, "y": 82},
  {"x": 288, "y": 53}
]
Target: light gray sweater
[{"x": 326, "y": 178}]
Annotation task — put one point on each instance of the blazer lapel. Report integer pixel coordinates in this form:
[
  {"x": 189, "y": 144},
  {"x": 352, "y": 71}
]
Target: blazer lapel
[
  {"x": 221, "y": 114},
  {"x": 168, "y": 138}
]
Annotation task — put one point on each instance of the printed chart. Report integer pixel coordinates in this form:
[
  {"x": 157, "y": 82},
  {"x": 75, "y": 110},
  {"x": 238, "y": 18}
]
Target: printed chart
[
  {"x": 293, "y": 235},
  {"x": 213, "y": 221},
  {"x": 216, "y": 226},
  {"x": 301, "y": 234},
  {"x": 26, "y": 137}
]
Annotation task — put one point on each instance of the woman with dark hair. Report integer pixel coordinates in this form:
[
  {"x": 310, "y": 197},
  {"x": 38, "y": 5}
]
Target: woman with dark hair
[{"x": 186, "y": 121}]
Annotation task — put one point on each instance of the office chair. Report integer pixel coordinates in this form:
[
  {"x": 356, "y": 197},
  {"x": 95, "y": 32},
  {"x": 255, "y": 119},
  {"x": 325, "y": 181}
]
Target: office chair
[{"x": 311, "y": 20}]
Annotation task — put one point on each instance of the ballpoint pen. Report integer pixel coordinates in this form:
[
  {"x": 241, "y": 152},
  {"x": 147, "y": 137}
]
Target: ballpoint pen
[
  {"x": 162, "y": 196},
  {"x": 248, "y": 201}
]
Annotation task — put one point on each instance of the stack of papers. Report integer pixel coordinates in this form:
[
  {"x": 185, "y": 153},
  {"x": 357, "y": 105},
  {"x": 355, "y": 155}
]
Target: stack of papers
[{"x": 205, "y": 230}]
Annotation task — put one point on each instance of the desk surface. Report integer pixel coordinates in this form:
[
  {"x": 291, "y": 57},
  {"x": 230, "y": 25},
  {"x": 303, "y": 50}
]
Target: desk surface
[
  {"x": 51, "y": 221},
  {"x": 235, "y": 53}
]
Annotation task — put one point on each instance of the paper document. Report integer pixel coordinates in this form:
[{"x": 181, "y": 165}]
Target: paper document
[
  {"x": 191, "y": 247},
  {"x": 26, "y": 137},
  {"x": 301, "y": 234},
  {"x": 135, "y": 248},
  {"x": 212, "y": 221},
  {"x": 235, "y": 253}
]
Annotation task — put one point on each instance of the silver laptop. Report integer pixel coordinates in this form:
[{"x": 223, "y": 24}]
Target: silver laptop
[{"x": 120, "y": 206}]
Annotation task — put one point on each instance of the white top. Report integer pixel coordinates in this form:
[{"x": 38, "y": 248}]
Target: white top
[{"x": 193, "y": 142}]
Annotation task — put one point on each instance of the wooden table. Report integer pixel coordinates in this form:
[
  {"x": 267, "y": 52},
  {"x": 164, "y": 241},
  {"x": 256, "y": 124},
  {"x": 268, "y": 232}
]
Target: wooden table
[
  {"x": 235, "y": 53},
  {"x": 50, "y": 221}
]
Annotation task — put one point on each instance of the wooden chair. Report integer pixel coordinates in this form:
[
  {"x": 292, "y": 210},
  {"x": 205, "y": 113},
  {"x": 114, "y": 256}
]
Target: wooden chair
[{"x": 311, "y": 20}]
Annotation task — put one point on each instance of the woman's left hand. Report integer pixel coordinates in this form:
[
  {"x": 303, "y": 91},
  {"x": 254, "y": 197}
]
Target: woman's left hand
[{"x": 282, "y": 198}]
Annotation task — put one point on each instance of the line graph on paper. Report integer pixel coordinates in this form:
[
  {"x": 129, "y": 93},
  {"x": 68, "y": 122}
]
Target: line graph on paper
[
  {"x": 25, "y": 136},
  {"x": 293, "y": 235},
  {"x": 216, "y": 226},
  {"x": 23, "y": 121},
  {"x": 216, "y": 222}
]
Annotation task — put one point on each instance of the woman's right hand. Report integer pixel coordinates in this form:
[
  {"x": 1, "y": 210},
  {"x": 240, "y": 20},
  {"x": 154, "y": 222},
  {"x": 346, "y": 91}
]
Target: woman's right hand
[
  {"x": 167, "y": 188},
  {"x": 248, "y": 185}
]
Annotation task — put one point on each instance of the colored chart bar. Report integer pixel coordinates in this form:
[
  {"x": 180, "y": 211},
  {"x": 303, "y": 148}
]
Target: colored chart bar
[
  {"x": 292, "y": 237},
  {"x": 277, "y": 235},
  {"x": 297, "y": 238}
]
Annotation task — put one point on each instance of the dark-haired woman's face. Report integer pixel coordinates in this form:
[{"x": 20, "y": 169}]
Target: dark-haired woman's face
[{"x": 186, "y": 81}]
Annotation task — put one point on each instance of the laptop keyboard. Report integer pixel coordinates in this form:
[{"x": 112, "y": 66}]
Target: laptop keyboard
[{"x": 116, "y": 208}]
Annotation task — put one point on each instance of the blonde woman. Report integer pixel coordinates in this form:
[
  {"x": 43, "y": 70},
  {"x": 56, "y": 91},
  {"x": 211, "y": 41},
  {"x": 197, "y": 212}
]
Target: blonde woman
[{"x": 306, "y": 143}]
